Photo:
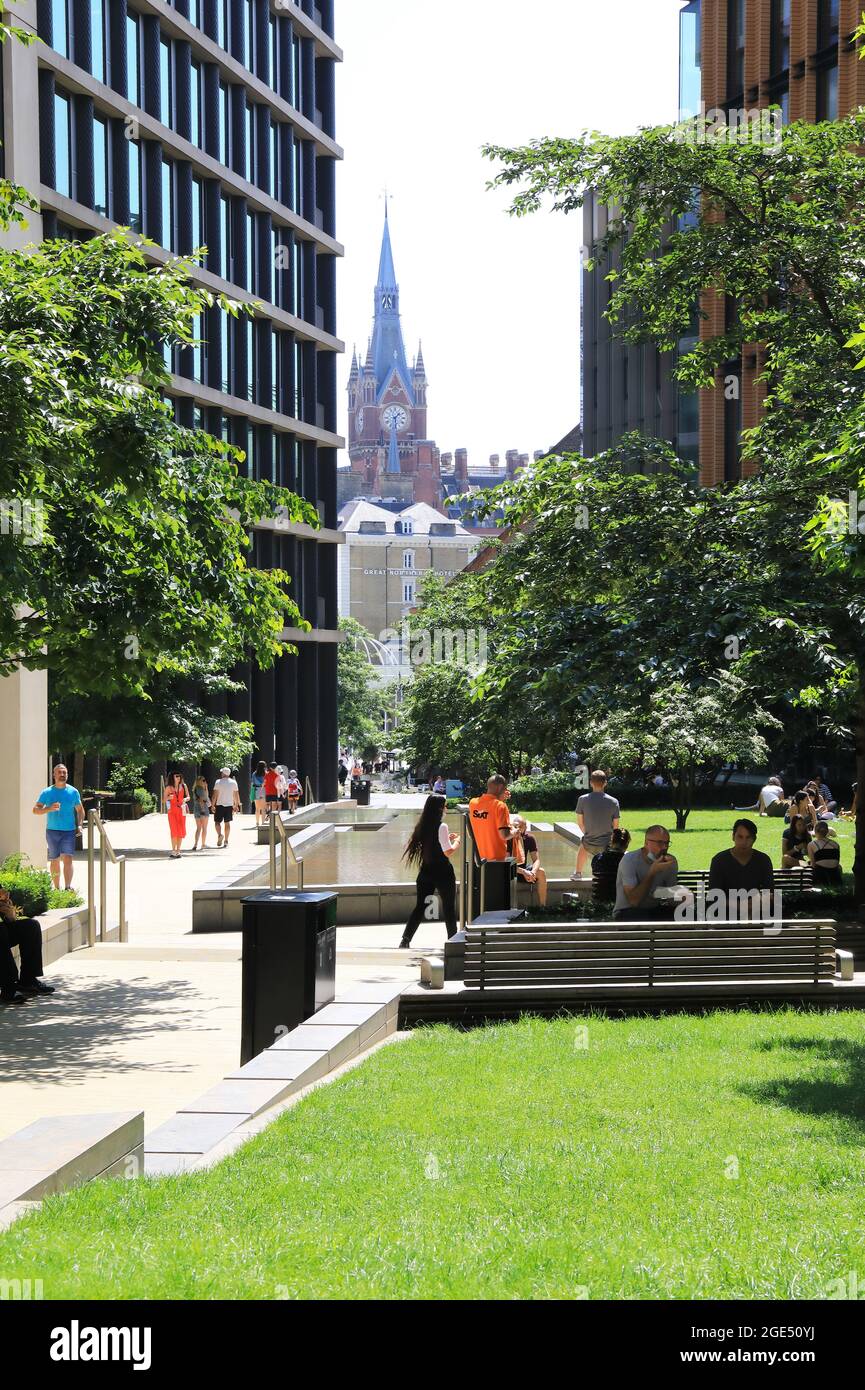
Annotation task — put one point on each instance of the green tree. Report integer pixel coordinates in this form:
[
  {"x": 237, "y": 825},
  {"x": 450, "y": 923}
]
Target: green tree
[
  {"x": 141, "y": 559},
  {"x": 686, "y": 732},
  {"x": 360, "y": 702},
  {"x": 777, "y": 230}
]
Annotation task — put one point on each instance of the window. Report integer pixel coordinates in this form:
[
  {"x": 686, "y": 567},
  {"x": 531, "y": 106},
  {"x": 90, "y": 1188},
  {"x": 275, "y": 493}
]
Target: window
[
  {"x": 165, "y": 93},
  {"x": 198, "y": 349},
  {"x": 250, "y": 359},
  {"x": 60, "y": 27},
  {"x": 827, "y": 93},
  {"x": 225, "y": 351},
  {"x": 134, "y": 156},
  {"x": 405, "y": 526},
  {"x": 167, "y": 236},
  {"x": 828, "y": 24},
  {"x": 97, "y": 40},
  {"x": 100, "y": 165},
  {"x": 274, "y": 53},
  {"x": 224, "y": 123},
  {"x": 408, "y": 591},
  {"x": 251, "y": 235},
  {"x": 298, "y": 381},
  {"x": 250, "y": 35},
  {"x": 250, "y": 142},
  {"x": 275, "y": 347},
  {"x": 198, "y": 234},
  {"x": 225, "y": 239},
  {"x": 133, "y": 59},
  {"x": 295, "y": 94},
  {"x": 408, "y": 560},
  {"x": 222, "y": 22},
  {"x": 62, "y": 145},
  {"x": 780, "y": 21},
  {"x": 735, "y": 47},
  {"x": 195, "y": 104},
  {"x": 275, "y": 180},
  {"x": 296, "y": 282}
]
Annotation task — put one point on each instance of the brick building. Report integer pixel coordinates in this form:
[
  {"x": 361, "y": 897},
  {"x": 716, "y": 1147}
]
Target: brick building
[{"x": 735, "y": 55}]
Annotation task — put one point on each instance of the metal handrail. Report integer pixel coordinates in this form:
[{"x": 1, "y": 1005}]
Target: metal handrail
[
  {"x": 106, "y": 851},
  {"x": 308, "y": 792},
  {"x": 277, "y": 828}
]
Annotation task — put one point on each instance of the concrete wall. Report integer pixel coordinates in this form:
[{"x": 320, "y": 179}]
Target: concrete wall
[{"x": 24, "y": 760}]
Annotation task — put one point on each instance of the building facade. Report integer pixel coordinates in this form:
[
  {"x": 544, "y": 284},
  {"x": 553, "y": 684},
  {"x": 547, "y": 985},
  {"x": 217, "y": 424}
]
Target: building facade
[
  {"x": 384, "y": 562},
  {"x": 735, "y": 55},
  {"x": 211, "y": 123}
]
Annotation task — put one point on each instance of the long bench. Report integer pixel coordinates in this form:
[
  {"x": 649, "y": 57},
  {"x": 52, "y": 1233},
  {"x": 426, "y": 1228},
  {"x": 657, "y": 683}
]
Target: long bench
[
  {"x": 525, "y": 955},
  {"x": 784, "y": 880}
]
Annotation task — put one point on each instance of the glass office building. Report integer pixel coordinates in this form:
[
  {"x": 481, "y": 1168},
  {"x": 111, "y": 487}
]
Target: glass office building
[{"x": 211, "y": 123}]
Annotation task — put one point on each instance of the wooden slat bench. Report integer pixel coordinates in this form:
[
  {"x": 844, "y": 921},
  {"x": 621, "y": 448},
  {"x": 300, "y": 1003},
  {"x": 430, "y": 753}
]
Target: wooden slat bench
[
  {"x": 785, "y": 880},
  {"x": 559, "y": 955}
]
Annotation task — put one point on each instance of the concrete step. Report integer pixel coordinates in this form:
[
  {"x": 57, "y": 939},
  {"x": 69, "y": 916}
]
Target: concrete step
[{"x": 64, "y": 1151}]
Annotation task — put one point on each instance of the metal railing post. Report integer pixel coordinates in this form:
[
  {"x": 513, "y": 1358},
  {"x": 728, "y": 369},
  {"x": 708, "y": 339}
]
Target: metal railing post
[
  {"x": 91, "y": 881},
  {"x": 273, "y": 814},
  {"x": 283, "y": 877},
  {"x": 463, "y": 867},
  {"x": 124, "y": 925},
  {"x": 483, "y": 886},
  {"x": 310, "y": 798},
  {"x": 103, "y": 889},
  {"x": 300, "y": 874}
]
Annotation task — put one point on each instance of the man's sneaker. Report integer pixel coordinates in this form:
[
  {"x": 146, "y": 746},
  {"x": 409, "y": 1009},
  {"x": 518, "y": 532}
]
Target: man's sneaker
[
  {"x": 12, "y": 996},
  {"x": 576, "y": 878},
  {"x": 36, "y": 987}
]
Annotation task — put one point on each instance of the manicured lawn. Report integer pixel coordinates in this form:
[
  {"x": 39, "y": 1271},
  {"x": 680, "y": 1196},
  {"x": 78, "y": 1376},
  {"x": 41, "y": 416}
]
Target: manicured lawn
[
  {"x": 708, "y": 832},
  {"x": 683, "y": 1157}
]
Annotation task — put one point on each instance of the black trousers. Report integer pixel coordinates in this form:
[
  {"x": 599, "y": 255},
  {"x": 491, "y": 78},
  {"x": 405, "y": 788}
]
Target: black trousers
[
  {"x": 439, "y": 879},
  {"x": 26, "y": 934}
]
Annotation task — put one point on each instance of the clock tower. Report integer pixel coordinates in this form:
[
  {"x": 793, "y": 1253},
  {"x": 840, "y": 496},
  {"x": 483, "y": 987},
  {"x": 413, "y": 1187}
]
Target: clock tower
[{"x": 390, "y": 453}]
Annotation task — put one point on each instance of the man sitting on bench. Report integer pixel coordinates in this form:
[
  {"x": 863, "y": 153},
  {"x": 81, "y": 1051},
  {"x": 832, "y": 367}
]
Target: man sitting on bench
[
  {"x": 642, "y": 873},
  {"x": 740, "y": 872}
]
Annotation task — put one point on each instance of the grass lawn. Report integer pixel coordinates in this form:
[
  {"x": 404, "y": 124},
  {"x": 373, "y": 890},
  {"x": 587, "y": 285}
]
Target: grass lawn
[
  {"x": 683, "y": 1157},
  {"x": 708, "y": 832}
]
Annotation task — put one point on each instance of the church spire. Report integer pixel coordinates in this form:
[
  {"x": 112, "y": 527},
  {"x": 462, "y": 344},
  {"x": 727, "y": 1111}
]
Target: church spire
[{"x": 388, "y": 348}]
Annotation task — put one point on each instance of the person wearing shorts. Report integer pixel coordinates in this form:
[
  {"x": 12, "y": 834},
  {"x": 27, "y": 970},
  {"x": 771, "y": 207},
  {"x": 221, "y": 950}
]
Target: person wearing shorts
[
  {"x": 62, "y": 805},
  {"x": 597, "y": 816},
  {"x": 271, "y": 789},
  {"x": 226, "y": 800}
]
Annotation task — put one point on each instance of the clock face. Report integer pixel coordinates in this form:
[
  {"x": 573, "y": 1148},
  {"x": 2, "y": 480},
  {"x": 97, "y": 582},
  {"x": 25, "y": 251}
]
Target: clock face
[
  {"x": 359, "y": 422},
  {"x": 395, "y": 414}
]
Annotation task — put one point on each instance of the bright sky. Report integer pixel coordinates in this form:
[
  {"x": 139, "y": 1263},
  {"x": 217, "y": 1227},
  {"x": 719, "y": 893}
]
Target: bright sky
[{"x": 495, "y": 299}]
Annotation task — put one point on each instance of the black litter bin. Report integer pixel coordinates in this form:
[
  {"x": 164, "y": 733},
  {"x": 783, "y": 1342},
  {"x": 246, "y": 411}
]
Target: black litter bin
[
  {"x": 498, "y": 876},
  {"x": 360, "y": 789},
  {"x": 289, "y": 964}
]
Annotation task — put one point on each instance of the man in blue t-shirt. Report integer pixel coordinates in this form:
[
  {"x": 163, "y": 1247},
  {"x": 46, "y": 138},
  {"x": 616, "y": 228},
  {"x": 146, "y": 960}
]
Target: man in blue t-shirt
[{"x": 62, "y": 805}]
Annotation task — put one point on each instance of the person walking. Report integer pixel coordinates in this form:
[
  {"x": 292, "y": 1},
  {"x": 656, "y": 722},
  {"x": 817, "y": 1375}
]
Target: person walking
[
  {"x": 271, "y": 790},
  {"x": 26, "y": 934},
  {"x": 431, "y": 846},
  {"x": 226, "y": 801},
  {"x": 176, "y": 800},
  {"x": 342, "y": 774},
  {"x": 597, "y": 816},
  {"x": 293, "y": 791},
  {"x": 61, "y": 803},
  {"x": 201, "y": 811},
  {"x": 257, "y": 794}
]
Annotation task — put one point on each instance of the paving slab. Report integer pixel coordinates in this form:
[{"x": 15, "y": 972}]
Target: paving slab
[
  {"x": 189, "y": 1134},
  {"x": 283, "y": 1066},
  {"x": 243, "y": 1098}
]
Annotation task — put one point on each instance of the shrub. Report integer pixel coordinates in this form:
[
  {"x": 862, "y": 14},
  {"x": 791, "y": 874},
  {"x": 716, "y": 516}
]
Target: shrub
[
  {"x": 549, "y": 791},
  {"x": 124, "y": 778},
  {"x": 64, "y": 897},
  {"x": 144, "y": 799},
  {"x": 29, "y": 889}
]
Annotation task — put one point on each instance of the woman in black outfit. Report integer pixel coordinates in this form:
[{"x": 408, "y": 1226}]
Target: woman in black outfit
[{"x": 430, "y": 847}]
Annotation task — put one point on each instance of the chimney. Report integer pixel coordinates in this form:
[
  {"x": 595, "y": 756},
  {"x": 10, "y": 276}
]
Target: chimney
[{"x": 461, "y": 471}]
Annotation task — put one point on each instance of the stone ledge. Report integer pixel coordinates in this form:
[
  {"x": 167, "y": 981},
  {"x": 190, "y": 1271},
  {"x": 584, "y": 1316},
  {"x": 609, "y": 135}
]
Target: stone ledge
[{"x": 63, "y": 1151}]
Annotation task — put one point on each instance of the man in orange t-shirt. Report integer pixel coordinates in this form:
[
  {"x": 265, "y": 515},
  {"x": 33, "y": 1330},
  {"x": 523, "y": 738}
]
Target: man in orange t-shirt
[{"x": 491, "y": 821}]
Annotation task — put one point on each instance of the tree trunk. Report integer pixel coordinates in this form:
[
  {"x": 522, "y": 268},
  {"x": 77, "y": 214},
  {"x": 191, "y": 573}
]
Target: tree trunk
[
  {"x": 684, "y": 798},
  {"x": 78, "y": 769}
]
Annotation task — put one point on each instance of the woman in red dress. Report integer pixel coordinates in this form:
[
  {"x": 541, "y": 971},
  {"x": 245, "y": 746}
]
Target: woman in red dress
[{"x": 176, "y": 799}]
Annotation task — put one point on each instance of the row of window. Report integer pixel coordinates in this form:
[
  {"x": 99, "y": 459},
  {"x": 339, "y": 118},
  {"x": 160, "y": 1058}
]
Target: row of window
[
  {"x": 234, "y": 257},
  {"x": 826, "y": 57},
  {"x": 76, "y": 33},
  {"x": 235, "y": 349}
]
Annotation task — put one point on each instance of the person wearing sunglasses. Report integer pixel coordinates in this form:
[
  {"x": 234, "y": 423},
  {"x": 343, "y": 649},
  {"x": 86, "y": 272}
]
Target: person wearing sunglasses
[{"x": 642, "y": 873}]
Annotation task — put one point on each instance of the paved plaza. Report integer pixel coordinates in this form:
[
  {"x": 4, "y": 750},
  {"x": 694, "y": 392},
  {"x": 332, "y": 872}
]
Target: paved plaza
[{"x": 153, "y": 1023}]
